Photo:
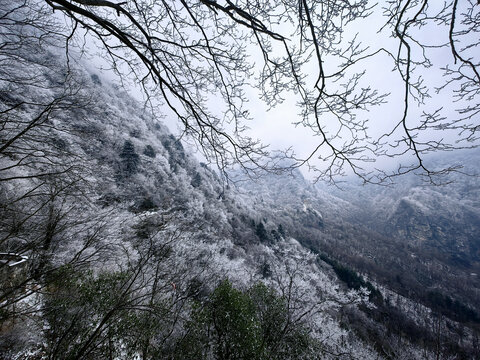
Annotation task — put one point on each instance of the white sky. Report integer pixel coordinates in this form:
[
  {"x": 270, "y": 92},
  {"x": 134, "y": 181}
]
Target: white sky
[{"x": 275, "y": 127}]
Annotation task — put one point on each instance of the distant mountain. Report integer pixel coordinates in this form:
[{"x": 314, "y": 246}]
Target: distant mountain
[
  {"x": 439, "y": 224},
  {"x": 411, "y": 240}
]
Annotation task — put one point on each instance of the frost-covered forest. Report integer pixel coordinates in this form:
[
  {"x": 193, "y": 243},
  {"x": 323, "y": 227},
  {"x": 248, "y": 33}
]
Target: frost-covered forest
[{"x": 117, "y": 243}]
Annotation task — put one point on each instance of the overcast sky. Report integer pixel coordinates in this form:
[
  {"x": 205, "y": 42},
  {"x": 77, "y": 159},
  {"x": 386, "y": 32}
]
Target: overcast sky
[{"x": 275, "y": 127}]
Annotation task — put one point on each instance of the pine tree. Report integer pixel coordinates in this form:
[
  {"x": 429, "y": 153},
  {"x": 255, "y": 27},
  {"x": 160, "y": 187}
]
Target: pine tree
[{"x": 130, "y": 158}]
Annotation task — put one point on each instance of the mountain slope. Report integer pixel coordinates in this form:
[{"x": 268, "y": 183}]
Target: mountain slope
[
  {"x": 414, "y": 245},
  {"x": 106, "y": 201}
]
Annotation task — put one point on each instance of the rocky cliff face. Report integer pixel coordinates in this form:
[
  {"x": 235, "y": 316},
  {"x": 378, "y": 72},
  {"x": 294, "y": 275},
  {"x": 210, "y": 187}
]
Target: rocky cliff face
[
  {"x": 430, "y": 218},
  {"x": 408, "y": 221}
]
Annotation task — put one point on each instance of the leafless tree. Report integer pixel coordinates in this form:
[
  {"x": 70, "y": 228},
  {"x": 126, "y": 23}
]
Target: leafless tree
[
  {"x": 141, "y": 304},
  {"x": 43, "y": 198},
  {"x": 197, "y": 57}
]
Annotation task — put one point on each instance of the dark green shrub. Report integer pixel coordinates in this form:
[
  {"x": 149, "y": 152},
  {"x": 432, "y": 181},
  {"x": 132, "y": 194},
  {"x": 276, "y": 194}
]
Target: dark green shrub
[
  {"x": 149, "y": 151},
  {"x": 197, "y": 180},
  {"x": 225, "y": 326},
  {"x": 254, "y": 324}
]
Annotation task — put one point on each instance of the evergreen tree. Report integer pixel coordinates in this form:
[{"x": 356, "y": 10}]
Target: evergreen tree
[
  {"x": 261, "y": 232},
  {"x": 149, "y": 151},
  {"x": 130, "y": 158}
]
